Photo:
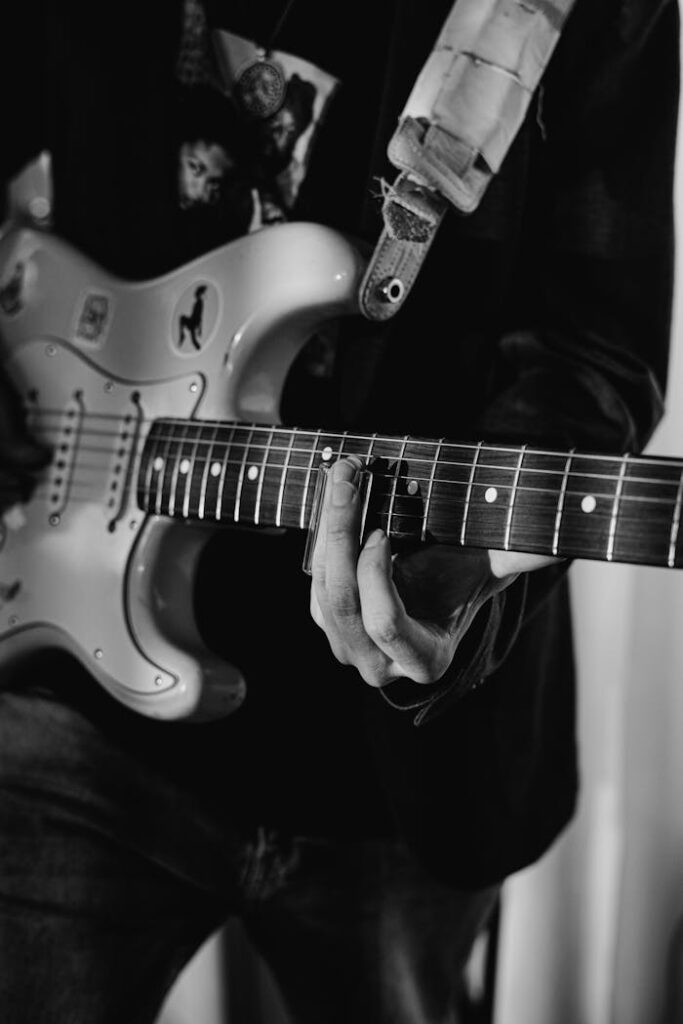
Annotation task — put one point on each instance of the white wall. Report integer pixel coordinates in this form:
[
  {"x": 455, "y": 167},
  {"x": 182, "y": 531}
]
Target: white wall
[{"x": 594, "y": 933}]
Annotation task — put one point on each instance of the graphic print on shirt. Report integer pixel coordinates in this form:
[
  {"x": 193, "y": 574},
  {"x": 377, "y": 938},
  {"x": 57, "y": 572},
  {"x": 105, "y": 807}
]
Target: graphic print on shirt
[
  {"x": 248, "y": 122},
  {"x": 282, "y": 100}
]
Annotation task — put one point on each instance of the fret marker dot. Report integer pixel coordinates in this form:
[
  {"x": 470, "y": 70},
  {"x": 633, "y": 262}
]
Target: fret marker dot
[
  {"x": 413, "y": 487},
  {"x": 252, "y": 473},
  {"x": 158, "y": 464},
  {"x": 215, "y": 469},
  {"x": 327, "y": 454},
  {"x": 490, "y": 495},
  {"x": 184, "y": 466},
  {"x": 588, "y": 504}
]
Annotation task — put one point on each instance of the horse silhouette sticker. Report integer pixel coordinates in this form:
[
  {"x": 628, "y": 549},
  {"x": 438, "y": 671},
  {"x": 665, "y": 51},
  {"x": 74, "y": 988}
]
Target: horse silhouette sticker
[{"x": 195, "y": 319}]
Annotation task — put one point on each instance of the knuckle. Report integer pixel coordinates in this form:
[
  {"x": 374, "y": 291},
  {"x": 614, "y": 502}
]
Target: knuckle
[
  {"x": 430, "y": 669},
  {"x": 338, "y": 529},
  {"x": 339, "y": 650},
  {"x": 383, "y": 628},
  {"x": 318, "y": 572},
  {"x": 343, "y": 601},
  {"x": 316, "y": 613},
  {"x": 343, "y": 604},
  {"x": 375, "y": 675},
  {"x": 425, "y": 674}
]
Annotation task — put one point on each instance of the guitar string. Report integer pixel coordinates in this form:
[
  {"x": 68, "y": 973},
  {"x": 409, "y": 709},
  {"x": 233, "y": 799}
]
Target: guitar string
[
  {"x": 413, "y": 521},
  {"x": 164, "y": 491},
  {"x": 349, "y": 436},
  {"x": 197, "y": 460},
  {"x": 236, "y": 446},
  {"x": 285, "y": 470}
]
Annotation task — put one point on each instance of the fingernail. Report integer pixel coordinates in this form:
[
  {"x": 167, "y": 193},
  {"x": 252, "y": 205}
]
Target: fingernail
[
  {"x": 376, "y": 538},
  {"x": 343, "y": 493},
  {"x": 346, "y": 469}
]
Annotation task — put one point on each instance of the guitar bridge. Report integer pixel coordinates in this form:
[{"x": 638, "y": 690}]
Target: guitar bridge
[{"x": 364, "y": 489}]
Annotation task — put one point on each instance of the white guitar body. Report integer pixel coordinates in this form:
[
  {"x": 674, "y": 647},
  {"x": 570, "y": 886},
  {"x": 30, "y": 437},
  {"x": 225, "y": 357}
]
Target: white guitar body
[{"x": 80, "y": 566}]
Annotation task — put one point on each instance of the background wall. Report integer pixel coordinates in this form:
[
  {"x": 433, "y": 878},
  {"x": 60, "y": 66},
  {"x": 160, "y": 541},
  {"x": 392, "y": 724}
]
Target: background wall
[{"x": 593, "y": 934}]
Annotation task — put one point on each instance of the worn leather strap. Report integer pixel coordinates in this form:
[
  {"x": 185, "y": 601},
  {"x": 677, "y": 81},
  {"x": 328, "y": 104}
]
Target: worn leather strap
[{"x": 461, "y": 117}]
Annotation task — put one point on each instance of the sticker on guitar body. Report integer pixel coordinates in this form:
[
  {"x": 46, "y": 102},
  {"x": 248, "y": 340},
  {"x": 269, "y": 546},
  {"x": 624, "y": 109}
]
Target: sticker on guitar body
[{"x": 195, "y": 319}]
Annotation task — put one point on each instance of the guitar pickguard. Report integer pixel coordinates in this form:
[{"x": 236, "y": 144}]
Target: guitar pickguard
[{"x": 96, "y": 361}]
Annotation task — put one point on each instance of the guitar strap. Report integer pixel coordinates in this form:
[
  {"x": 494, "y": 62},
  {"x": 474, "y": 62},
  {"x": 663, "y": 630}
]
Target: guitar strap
[{"x": 461, "y": 117}]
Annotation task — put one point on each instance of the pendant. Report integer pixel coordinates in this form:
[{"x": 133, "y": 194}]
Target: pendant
[{"x": 260, "y": 89}]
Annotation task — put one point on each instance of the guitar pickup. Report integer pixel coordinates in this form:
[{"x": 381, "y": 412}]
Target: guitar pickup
[{"x": 364, "y": 481}]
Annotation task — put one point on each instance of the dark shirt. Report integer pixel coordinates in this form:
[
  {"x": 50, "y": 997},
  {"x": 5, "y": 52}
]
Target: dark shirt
[{"x": 543, "y": 318}]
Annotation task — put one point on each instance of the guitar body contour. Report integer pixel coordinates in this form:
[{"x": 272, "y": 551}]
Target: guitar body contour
[{"x": 98, "y": 359}]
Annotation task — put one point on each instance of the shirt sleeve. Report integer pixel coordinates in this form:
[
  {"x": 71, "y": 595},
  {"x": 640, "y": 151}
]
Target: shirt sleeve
[
  {"x": 23, "y": 83},
  {"x": 588, "y": 365}
]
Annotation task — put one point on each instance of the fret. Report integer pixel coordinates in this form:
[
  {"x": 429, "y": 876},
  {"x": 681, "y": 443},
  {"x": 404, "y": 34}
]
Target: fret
[
  {"x": 283, "y": 478},
  {"x": 588, "y": 505},
  {"x": 150, "y": 453},
  {"x": 615, "y": 509},
  {"x": 404, "y": 490},
  {"x": 178, "y": 461},
  {"x": 560, "y": 502},
  {"x": 220, "y": 491},
  {"x": 290, "y": 484},
  {"x": 430, "y": 488},
  {"x": 368, "y": 456},
  {"x": 611, "y": 508},
  {"x": 262, "y": 476},
  {"x": 302, "y": 521},
  {"x": 394, "y": 484},
  {"x": 511, "y": 503},
  {"x": 198, "y": 439},
  {"x": 208, "y": 463},
  {"x": 343, "y": 441},
  {"x": 535, "y": 523},
  {"x": 647, "y": 505},
  {"x": 167, "y": 471},
  {"x": 494, "y": 474},
  {"x": 239, "y": 490},
  {"x": 675, "y": 523},
  {"x": 468, "y": 495}
]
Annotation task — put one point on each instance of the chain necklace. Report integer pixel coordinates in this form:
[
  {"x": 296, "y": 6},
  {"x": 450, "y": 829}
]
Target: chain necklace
[{"x": 261, "y": 87}]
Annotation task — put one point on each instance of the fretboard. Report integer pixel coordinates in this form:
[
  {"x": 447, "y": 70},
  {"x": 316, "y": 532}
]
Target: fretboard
[{"x": 570, "y": 504}]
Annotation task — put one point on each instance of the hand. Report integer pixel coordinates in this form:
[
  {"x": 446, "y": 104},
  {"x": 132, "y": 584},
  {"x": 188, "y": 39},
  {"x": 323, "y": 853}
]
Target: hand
[
  {"x": 402, "y": 616},
  {"x": 21, "y": 457}
]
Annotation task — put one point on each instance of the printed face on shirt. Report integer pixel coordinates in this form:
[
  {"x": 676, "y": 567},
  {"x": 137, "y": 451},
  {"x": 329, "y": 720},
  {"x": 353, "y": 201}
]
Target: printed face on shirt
[
  {"x": 278, "y": 135},
  {"x": 202, "y": 172}
]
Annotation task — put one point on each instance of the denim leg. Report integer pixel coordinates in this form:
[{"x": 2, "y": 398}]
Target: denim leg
[
  {"x": 359, "y": 934},
  {"x": 100, "y": 906}
]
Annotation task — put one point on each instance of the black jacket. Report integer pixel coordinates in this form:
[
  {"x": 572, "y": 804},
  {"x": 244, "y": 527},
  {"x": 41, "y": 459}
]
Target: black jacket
[{"x": 543, "y": 318}]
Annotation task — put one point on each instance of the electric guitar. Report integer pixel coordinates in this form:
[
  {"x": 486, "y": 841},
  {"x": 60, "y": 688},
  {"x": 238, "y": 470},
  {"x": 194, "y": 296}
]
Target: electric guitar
[{"x": 160, "y": 401}]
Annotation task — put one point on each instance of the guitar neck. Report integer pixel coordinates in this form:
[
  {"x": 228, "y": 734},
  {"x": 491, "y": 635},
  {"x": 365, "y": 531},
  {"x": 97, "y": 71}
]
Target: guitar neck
[{"x": 569, "y": 504}]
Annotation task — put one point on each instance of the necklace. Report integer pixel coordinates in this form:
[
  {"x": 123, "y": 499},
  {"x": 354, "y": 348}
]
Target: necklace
[{"x": 261, "y": 87}]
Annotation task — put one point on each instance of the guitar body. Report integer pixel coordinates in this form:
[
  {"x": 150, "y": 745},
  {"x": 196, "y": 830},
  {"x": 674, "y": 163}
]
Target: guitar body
[{"x": 96, "y": 360}]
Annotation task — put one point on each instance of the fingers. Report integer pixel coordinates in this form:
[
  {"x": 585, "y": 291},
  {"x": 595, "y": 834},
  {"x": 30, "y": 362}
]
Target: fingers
[
  {"x": 354, "y": 598},
  {"x": 415, "y": 649},
  {"x": 18, "y": 451},
  {"x": 335, "y": 600}
]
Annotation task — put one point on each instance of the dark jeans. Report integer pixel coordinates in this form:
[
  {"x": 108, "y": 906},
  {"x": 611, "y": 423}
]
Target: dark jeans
[{"x": 111, "y": 877}]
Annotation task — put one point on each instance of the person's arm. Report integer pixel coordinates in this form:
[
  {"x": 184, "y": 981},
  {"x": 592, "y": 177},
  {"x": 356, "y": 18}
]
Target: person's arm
[
  {"x": 587, "y": 370},
  {"x": 24, "y": 89},
  {"x": 22, "y": 86}
]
